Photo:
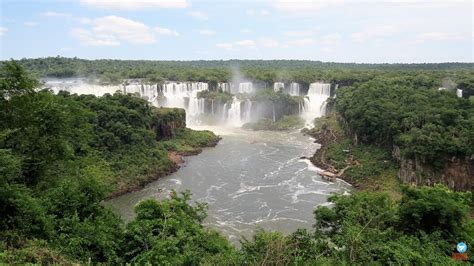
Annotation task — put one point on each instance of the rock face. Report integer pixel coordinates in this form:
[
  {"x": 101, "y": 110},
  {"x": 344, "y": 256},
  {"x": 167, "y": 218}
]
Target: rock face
[
  {"x": 457, "y": 173},
  {"x": 167, "y": 122}
]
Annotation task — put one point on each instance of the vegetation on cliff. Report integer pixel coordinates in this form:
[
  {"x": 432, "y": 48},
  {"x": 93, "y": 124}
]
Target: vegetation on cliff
[
  {"x": 427, "y": 130},
  {"x": 426, "y": 124},
  {"x": 263, "y": 71},
  {"x": 284, "y": 123},
  {"x": 366, "y": 167},
  {"x": 113, "y": 138}
]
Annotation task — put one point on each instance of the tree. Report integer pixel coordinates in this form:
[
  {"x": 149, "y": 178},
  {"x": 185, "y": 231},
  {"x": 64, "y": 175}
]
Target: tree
[{"x": 15, "y": 81}]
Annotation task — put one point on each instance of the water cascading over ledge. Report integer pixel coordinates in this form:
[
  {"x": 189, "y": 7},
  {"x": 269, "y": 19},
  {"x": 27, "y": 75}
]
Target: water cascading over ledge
[
  {"x": 315, "y": 101},
  {"x": 233, "y": 113}
]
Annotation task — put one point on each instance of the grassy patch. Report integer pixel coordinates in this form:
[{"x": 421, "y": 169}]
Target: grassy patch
[
  {"x": 284, "y": 123},
  {"x": 191, "y": 141}
]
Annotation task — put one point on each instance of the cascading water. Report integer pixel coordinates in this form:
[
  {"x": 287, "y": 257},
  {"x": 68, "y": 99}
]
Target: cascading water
[
  {"x": 233, "y": 114},
  {"x": 247, "y": 111},
  {"x": 294, "y": 89},
  {"x": 224, "y": 86},
  {"x": 79, "y": 86},
  {"x": 148, "y": 92},
  {"x": 278, "y": 85},
  {"x": 245, "y": 87},
  {"x": 315, "y": 101},
  {"x": 459, "y": 93},
  {"x": 184, "y": 95}
]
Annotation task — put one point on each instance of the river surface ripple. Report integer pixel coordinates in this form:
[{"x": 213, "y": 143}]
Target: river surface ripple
[{"x": 250, "y": 180}]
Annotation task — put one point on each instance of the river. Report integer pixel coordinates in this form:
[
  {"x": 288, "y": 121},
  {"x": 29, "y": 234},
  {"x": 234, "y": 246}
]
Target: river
[{"x": 250, "y": 180}]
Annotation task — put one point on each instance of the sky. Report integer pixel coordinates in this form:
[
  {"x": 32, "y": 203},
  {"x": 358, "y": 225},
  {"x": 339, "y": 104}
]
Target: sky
[{"x": 362, "y": 31}]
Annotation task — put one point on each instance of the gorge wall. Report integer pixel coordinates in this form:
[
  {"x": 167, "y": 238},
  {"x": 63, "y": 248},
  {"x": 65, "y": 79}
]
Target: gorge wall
[
  {"x": 167, "y": 122},
  {"x": 456, "y": 173}
]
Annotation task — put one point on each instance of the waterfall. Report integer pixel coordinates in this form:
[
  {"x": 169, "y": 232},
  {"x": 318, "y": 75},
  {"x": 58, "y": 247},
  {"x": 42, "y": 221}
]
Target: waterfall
[
  {"x": 184, "y": 95},
  {"x": 273, "y": 108},
  {"x": 247, "y": 111},
  {"x": 224, "y": 113},
  {"x": 459, "y": 93},
  {"x": 233, "y": 114},
  {"x": 335, "y": 90},
  {"x": 212, "y": 106},
  {"x": 224, "y": 86},
  {"x": 148, "y": 92},
  {"x": 315, "y": 101},
  {"x": 294, "y": 89},
  {"x": 278, "y": 85},
  {"x": 245, "y": 87},
  {"x": 79, "y": 86}
]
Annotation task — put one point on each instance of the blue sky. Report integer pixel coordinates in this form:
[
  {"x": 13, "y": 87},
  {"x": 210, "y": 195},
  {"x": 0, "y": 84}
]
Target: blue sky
[{"x": 327, "y": 30}]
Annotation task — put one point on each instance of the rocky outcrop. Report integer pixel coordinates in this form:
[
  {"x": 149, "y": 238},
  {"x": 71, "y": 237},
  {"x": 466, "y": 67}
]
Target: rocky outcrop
[
  {"x": 167, "y": 122},
  {"x": 457, "y": 173}
]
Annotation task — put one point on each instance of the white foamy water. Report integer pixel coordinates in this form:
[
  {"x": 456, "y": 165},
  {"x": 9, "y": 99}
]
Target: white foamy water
[
  {"x": 249, "y": 180},
  {"x": 185, "y": 95},
  {"x": 315, "y": 101}
]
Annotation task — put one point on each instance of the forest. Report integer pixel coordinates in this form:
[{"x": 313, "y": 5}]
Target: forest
[
  {"x": 62, "y": 155},
  {"x": 108, "y": 71}
]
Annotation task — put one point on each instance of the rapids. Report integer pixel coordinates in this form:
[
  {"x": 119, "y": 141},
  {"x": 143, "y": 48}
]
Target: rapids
[{"x": 250, "y": 180}]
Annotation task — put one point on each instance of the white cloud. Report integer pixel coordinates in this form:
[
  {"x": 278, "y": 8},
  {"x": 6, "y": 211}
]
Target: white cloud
[
  {"x": 198, "y": 15},
  {"x": 441, "y": 36},
  {"x": 375, "y": 32},
  {"x": 53, "y": 14},
  {"x": 3, "y": 31},
  {"x": 331, "y": 39},
  {"x": 30, "y": 23},
  {"x": 227, "y": 46},
  {"x": 88, "y": 38},
  {"x": 245, "y": 43},
  {"x": 112, "y": 30},
  {"x": 165, "y": 31},
  {"x": 269, "y": 43},
  {"x": 206, "y": 32},
  {"x": 135, "y": 4},
  {"x": 246, "y": 31},
  {"x": 306, "y": 6},
  {"x": 237, "y": 45},
  {"x": 302, "y": 42}
]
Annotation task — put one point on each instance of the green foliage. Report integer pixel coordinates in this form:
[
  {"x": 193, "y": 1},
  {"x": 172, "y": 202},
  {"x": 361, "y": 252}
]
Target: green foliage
[
  {"x": 364, "y": 228},
  {"x": 434, "y": 209},
  {"x": 170, "y": 232},
  {"x": 284, "y": 123},
  {"x": 218, "y": 96},
  {"x": 15, "y": 81},
  {"x": 190, "y": 141},
  {"x": 267, "y": 71},
  {"x": 425, "y": 123},
  {"x": 61, "y": 155}
]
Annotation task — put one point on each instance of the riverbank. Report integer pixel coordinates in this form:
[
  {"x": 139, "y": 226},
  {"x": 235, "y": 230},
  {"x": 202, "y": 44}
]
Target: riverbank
[
  {"x": 186, "y": 142},
  {"x": 365, "y": 167}
]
